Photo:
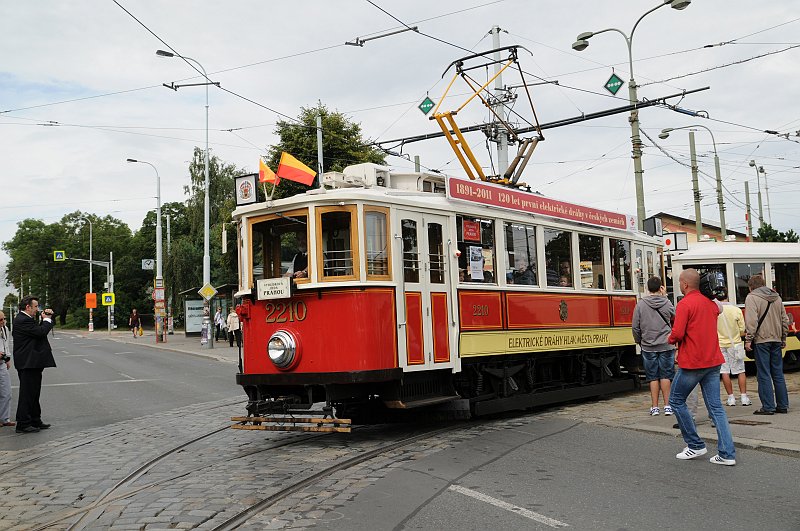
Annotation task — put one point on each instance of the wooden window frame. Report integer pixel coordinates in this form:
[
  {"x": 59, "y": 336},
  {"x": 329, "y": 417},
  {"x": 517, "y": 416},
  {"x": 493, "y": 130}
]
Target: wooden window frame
[
  {"x": 269, "y": 217},
  {"x": 354, "y": 242},
  {"x": 385, "y": 212}
]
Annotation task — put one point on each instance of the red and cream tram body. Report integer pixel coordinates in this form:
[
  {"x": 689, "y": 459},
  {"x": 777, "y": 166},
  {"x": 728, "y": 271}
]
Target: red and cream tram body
[{"x": 412, "y": 289}]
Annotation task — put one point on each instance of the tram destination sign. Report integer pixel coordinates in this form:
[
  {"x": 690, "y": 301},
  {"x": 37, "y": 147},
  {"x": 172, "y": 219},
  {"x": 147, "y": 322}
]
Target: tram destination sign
[
  {"x": 274, "y": 288},
  {"x": 494, "y": 195}
]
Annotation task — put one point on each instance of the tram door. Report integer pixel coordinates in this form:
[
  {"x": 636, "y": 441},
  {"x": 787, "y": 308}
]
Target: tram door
[{"x": 423, "y": 305}]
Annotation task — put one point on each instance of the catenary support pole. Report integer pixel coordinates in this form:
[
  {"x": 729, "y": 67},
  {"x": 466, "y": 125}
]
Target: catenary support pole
[
  {"x": 748, "y": 214},
  {"x": 695, "y": 188}
]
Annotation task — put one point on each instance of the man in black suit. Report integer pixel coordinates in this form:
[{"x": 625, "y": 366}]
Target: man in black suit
[{"x": 32, "y": 354}]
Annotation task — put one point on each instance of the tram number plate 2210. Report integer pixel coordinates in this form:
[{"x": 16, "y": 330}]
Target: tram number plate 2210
[{"x": 286, "y": 312}]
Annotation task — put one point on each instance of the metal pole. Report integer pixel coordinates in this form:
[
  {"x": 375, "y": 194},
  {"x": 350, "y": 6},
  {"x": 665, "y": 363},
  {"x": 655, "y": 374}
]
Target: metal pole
[
  {"x": 720, "y": 200},
  {"x": 416, "y": 163},
  {"x": 319, "y": 149},
  {"x": 502, "y": 134},
  {"x": 169, "y": 289},
  {"x": 748, "y": 214},
  {"x": 91, "y": 263},
  {"x": 695, "y": 188},
  {"x": 110, "y": 280},
  {"x": 766, "y": 191}
]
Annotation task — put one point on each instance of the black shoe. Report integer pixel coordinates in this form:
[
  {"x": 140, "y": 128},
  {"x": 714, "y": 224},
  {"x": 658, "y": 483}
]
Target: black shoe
[
  {"x": 41, "y": 426},
  {"x": 27, "y": 429},
  {"x": 763, "y": 411},
  {"x": 782, "y": 410}
]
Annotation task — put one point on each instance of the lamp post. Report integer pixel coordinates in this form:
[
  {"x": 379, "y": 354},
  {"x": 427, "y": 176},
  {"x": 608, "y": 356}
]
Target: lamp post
[
  {"x": 91, "y": 313},
  {"x": 159, "y": 254},
  {"x": 720, "y": 201},
  {"x": 206, "y": 214},
  {"x": 580, "y": 44},
  {"x": 759, "y": 171}
]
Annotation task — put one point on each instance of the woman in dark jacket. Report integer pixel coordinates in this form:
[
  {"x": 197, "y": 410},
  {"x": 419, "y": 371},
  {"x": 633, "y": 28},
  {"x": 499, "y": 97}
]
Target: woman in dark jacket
[{"x": 134, "y": 322}]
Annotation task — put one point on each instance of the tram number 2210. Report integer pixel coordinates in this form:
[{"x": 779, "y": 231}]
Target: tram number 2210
[{"x": 286, "y": 312}]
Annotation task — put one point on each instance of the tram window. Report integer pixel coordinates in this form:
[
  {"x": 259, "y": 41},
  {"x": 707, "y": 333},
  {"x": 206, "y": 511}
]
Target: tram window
[
  {"x": 787, "y": 280},
  {"x": 410, "y": 250},
  {"x": 335, "y": 235},
  {"x": 651, "y": 271},
  {"x": 639, "y": 270},
  {"x": 476, "y": 243},
  {"x": 620, "y": 251},
  {"x": 436, "y": 253},
  {"x": 521, "y": 254},
  {"x": 376, "y": 244},
  {"x": 280, "y": 247},
  {"x": 558, "y": 257},
  {"x": 590, "y": 249},
  {"x": 743, "y": 272}
]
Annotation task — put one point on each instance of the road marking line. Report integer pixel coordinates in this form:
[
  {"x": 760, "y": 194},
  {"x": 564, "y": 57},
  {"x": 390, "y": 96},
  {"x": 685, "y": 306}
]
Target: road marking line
[
  {"x": 126, "y": 376},
  {"x": 87, "y": 361},
  {"x": 103, "y": 382},
  {"x": 117, "y": 353},
  {"x": 542, "y": 519}
]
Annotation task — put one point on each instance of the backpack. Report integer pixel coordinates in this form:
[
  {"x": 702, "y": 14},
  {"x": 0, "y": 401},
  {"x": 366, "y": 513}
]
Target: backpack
[{"x": 712, "y": 285}]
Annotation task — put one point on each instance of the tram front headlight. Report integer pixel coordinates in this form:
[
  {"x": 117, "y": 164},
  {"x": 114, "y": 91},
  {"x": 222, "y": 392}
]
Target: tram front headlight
[{"x": 282, "y": 349}]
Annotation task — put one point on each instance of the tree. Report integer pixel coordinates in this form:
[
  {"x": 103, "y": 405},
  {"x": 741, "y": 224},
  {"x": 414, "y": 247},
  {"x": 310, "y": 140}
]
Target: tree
[
  {"x": 766, "y": 233},
  {"x": 342, "y": 144}
]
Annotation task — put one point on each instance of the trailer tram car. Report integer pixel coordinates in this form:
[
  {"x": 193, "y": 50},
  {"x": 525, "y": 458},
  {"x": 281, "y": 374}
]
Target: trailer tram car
[
  {"x": 779, "y": 263},
  {"x": 418, "y": 290}
]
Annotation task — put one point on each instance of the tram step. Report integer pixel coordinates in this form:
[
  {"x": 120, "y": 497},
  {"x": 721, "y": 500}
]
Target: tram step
[{"x": 423, "y": 402}]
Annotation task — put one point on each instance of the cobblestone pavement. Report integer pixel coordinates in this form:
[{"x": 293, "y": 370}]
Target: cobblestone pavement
[{"x": 216, "y": 477}]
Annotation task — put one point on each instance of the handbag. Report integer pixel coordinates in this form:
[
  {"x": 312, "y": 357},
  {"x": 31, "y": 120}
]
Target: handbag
[
  {"x": 141, "y": 332},
  {"x": 751, "y": 354}
]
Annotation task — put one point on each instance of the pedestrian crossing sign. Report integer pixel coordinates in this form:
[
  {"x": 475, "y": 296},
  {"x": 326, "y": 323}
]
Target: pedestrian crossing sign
[
  {"x": 59, "y": 256},
  {"x": 108, "y": 299}
]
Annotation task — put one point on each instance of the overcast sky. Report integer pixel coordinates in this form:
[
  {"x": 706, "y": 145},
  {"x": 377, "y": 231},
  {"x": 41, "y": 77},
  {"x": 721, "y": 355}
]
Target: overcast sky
[{"x": 91, "y": 68}]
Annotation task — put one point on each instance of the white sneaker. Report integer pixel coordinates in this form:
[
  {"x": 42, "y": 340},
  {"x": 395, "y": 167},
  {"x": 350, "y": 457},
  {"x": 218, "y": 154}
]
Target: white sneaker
[
  {"x": 654, "y": 412},
  {"x": 668, "y": 410},
  {"x": 717, "y": 460},
  {"x": 731, "y": 401},
  {"x": 688, "y": 453},
  {"x": 746, "y": 400}
]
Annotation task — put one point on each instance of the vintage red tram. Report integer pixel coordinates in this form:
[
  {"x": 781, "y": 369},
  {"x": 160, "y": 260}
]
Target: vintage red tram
[{"x": 411, "y": 289}]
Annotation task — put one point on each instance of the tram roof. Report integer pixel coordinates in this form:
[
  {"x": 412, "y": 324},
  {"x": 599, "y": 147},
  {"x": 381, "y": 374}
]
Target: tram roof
[{"x": 739, "y": 251}]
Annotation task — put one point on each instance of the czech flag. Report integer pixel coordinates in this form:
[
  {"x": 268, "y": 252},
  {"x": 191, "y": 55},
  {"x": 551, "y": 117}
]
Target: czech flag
[
  {"x": 266, "y": 175},
  {"x": 292, "y": 169}
]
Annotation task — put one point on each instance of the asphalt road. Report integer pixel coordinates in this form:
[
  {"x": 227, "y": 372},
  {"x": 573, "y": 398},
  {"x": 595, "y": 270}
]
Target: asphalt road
[
  {"x": 552, "y": 473},
  {"x": 100, "y": 381}
]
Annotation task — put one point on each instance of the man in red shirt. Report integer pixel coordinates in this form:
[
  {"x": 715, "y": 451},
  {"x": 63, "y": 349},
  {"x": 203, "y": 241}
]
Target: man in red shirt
[{"x": 699, "y": 359}]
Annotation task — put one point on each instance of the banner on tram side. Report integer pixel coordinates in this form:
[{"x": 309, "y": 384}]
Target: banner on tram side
[{"x": 489, "y": 194}]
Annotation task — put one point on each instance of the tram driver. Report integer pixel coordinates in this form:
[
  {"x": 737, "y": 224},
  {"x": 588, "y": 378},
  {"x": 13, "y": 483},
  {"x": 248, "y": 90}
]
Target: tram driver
[{"x": 299, "y": 268}]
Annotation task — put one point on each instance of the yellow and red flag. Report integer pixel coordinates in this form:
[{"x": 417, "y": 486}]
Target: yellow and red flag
[
  {"x": 266, "y": 175},
  {"x": 293, "y": 170}
]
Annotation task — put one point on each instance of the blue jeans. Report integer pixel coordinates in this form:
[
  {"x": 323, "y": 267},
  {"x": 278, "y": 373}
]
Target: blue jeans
[
  {"x": 683, "y": 384},
  {"x": 769, "y": 361}
]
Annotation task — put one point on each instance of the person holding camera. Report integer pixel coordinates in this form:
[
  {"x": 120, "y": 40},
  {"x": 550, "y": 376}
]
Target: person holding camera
[
  {"x": 5, "y": 377},
  {"x": 32, "y": 355}
]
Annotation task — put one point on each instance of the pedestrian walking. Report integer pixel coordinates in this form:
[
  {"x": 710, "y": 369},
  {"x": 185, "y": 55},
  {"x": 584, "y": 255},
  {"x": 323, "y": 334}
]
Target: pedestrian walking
[
  {"x": 651, "y": 328},
  {"x": 699, "y": 360},
  {"x": 766, "y": 326},
  {"x": 5, "y": 376},
  {"x": 730, "y": 329},
  {"x": 234, "y": 331},
  {"x": 219, "y": 322},
  {"x": 135, "y": 322},
  {"x": 32, "y": 355}
]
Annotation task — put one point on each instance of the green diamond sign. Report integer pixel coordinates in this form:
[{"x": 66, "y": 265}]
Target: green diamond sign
[
  {"x": 426, "y": 105},
  {"x": 613, "y": 84}
]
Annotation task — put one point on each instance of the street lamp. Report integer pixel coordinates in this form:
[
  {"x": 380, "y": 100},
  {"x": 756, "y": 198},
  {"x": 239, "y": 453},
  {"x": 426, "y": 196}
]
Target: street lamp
[
  {"x": 159, "y": 268},
  {"x": 759, "y": 171},
  {"x": 91, "y": 313},
  {"x": 206, "y": 212},
  {"x": 665, "y": 134},
  {"x": 581, "y": 43}
]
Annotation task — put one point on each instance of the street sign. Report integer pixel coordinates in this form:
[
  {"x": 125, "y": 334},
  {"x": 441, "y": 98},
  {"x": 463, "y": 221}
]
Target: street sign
[
  {"x": 91, "y": 300},
  {"x": 207, "y": 292},
  {"x": 426, "y": 105},
  {"x": 148, "y": 263},
  {"x": 613, "y": 84},
  {"x": 159, "y": 283},
  {"x": 108, "y": 299},
  {"x": 158, "y": 294},
  {"x": 675, "y": 241},
  {"x": 160, "y": 305},
  {"x": 59, "y": 256}
]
